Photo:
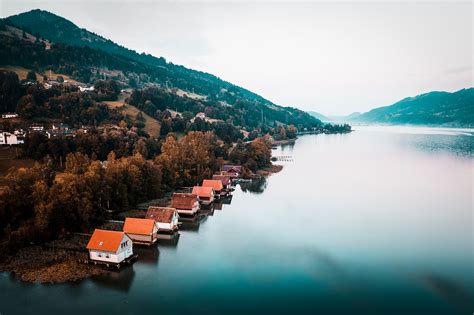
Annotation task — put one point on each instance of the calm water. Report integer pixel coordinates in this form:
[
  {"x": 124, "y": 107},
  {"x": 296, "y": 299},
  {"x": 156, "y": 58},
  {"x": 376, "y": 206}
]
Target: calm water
[{"x": 378, "y": 221}]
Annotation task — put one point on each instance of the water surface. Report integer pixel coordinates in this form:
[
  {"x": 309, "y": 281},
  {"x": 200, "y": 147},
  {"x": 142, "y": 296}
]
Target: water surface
[{"x": 378, "y": 221}]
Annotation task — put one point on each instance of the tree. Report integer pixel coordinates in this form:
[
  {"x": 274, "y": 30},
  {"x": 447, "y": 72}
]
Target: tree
[{"x": 31, "y": 76}]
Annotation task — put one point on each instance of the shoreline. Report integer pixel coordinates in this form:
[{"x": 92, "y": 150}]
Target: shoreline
[{"x": 58, "y": 261}]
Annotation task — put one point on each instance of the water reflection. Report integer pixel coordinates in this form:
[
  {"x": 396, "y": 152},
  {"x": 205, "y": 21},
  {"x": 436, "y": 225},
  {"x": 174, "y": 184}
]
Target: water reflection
[
  {"x": 168, "y": 240},
  {"x": 147, "y": 255},
  {"x": 117, "y": 280},
  {"x": 227, "y": 200},
  {"x": 449, "y": 290},
  {"x": 256, "y": 186},
  {"x": 192, "y": 224}
]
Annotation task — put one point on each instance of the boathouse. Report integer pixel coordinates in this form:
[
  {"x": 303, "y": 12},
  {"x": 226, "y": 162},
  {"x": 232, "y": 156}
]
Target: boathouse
[
  {"x": 141, "y": 231},
  {"x": 234, "y": 170},
  {"x": 187, "y": 204},
  {"x": 216, "y": 185},
  {"x": 225, "y": 180},
  {"x": 166, "y": 218},
  {"x": 205, "y": 194},
  {"x": 109, "y": 246}
]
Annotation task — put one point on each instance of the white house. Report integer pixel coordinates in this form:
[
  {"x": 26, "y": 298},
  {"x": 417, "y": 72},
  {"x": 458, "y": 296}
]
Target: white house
[
  {"x": 85, "y": 88},
  {"x": 166, "y": 218},
  {"x": 141, "y": 231},
  {"x": 109, "y": 246},
  {"x": 9, "y": 115},
  {"x": 7, "y": 138}
]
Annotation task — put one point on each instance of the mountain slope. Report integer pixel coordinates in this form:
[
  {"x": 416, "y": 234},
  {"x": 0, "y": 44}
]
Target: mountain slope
[
  {"x": 60, "y": 30},
  {"x": 319, "y": 116},
  {"x": 87, "y": 57},
  {"x": 434, "y": 108}
]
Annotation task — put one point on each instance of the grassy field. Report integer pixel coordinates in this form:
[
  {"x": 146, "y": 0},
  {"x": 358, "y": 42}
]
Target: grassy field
[
  {"x": 152, "y": 126},
  {"x": 22, "y": 72}
]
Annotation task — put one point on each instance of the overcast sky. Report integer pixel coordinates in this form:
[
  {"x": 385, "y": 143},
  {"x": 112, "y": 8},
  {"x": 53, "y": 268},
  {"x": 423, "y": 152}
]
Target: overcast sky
[{"x": 334, "y": 58}]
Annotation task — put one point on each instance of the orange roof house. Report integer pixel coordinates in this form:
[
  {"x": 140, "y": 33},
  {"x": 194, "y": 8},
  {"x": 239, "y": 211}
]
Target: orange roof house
[
  {"x": 216, "y": 184},
  {"x": 141, "y": 230},
  {"x": 225, "y": 179},
  {"x": 109, "y": 246},
  {"x": 103, "y": 240},
  {"x": 205, "y": 194},
  {"x": 165, "y": 217},
  {"x": 185, "y": 203}
]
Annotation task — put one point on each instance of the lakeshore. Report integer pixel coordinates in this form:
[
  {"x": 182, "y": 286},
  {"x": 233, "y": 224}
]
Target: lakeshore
[{"x": 62, "y": 261}]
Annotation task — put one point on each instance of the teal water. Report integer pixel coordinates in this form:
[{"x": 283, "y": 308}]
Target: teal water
[{"x": 378, "y": 221}]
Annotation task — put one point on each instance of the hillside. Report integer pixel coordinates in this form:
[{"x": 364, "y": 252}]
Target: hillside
[
  {"x": 319, "y": 116},
  {"x": 434, "y": 108},
  {"x": 87, "y": 57}
]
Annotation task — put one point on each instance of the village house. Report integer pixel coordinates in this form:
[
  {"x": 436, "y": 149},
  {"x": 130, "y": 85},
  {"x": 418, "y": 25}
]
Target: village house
[
  {"x": 109, "y": 246},
  {"x": 7, "y": 138},
  {"x": 60, "y": 133},
  {"x": 225, "y": 180},
  {"x": 233, "y": 170},
  {"x": 216, "y": 185},
  {"x": 36, "y": 127},
  {"x": 141, "y": 231},
  {"x": 187, "y": 204},
  {"x": 201, "y": 115},
  {"x": 165, "y": 217},
  {"x": 60, "y": 126},
  {"x": 9, "y": 115},
  {"x": 205, "y": 194}
]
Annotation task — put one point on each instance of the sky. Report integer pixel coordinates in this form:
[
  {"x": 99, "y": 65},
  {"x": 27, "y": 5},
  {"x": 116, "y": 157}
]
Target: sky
[{"x": 331, "y": 57}]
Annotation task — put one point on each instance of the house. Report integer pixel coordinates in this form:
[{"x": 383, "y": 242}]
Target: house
[
  {"x": 109, "y": 246},
  {"x": 141, "y": 231},
  {"x": 201, "y": 115},
  {"x": 225, "y": 180},
  {"x": 236, "y": 170},
  {"x": 205, "y": 194},
  {"x": 60, "y": 133},
  {"x": 166, "y": 218},
  {"x": 187, "y": 204},
  {"x": 36, "y": 127},
  {"x": 85, "y": 88},
  {"x": 9, "y": 115},
  {"x": 60, "y": 126},
  {"x": 216, "y": 185},
  {"x": 7, "y": 138}
]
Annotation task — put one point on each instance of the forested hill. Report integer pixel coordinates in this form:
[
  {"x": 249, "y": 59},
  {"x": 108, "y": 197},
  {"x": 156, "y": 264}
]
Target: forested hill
[
  {"x": 60, "y": 30},
  {"x": 434, "y": 109},
  {"x": 59, "y": 45}
]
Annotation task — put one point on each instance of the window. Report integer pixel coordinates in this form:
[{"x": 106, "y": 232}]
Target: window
[
  {"x": 107, "y": 256},
  {"x": 100, "y": 255}
]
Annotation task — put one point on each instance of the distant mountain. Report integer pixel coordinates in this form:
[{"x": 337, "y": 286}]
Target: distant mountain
[
  {"x": 434, "y": 108},
  {"x": 319, "y": 116},
  {"x": 60, "y": 45}
]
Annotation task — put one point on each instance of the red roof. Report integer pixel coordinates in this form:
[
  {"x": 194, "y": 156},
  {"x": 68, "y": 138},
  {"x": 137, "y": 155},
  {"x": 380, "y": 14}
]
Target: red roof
[
  {"x": 160, "y": 214},
  {"x": 216, "y": 184},
  {"x": 105, "y": 240},
  {"x": 139, "y": 226},
  {"x": 203, "y": 191},
  {"x": 183, "y": 201},
  {"x": 225, "y": 179}
]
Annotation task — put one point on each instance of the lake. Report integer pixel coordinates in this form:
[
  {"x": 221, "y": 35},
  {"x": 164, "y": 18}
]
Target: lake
[{"x": 379, "y": 221}]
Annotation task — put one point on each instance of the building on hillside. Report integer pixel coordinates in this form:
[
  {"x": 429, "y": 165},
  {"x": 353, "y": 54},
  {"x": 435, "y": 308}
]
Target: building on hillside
[
  {"x": 166, "y": 218},
  {"x": 226, "y": 182},
  {"x": 109, "y": 246},
  {"x": 235, "y": 170},
  {"x": 60, "y": 126},
  {"x": 85, "y": 88},
  {"x": 36, "y": 127},
  {"x": 205, "y": 194},
  {"x": 9, "y": 115},
  {"x": 216, "y": 185},
  {"x": 7, "y": 138},
  {"x": 187, "y": 204},
  {"x": 51, "y": 133},
  {"x": 201, "y": 115},
  {"x": 141, "y": 231}
]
